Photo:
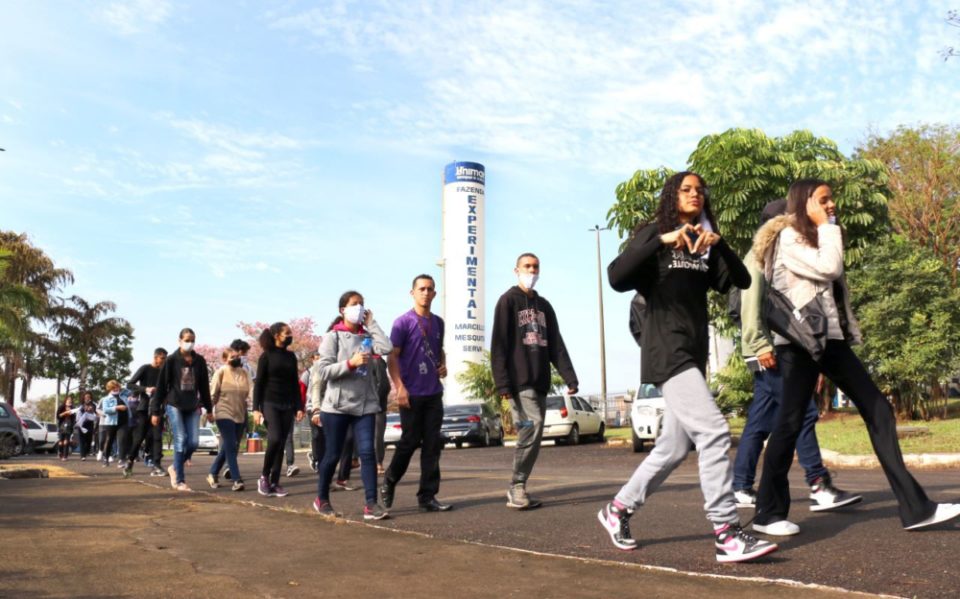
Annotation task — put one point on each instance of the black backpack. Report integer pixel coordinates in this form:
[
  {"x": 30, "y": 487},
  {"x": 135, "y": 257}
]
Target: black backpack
[{"x": 638, "y": 309}]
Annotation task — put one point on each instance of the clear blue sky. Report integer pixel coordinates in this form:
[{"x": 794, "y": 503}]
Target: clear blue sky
[{"x": 202, "y": 163}]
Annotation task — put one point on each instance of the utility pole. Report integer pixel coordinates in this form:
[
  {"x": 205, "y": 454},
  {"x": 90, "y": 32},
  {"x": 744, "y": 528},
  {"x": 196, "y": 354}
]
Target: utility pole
[{"x": 603, "y": 343}]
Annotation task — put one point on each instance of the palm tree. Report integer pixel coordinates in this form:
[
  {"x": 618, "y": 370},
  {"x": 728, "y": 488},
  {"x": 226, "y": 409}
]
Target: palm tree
[
  {"x": 28, "y": 279},
  {"x": 89, "y": 326}
]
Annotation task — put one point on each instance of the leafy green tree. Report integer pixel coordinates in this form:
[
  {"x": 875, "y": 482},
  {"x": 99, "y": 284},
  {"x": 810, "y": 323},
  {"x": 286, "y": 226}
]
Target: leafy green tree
[
  {"x": 924, "y": 169},
  {"x": 745, "y": 169},
  {"x": 111, "y": 360},
  {"x": 908, "y": 312},
  {"x": 736, "y": 385}
]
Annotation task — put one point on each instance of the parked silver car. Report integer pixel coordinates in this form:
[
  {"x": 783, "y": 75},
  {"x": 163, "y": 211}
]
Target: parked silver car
[{"x": 12, "y": 441}]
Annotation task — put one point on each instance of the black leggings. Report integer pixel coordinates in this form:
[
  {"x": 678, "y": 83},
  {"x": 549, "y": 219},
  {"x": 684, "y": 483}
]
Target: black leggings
[
  {"x": 63, "y": 442},
  {"x": 108, "y": 434},
  {"x": 86, "y": 440},
  {"x": 279, "y": 424},
  {"x": 842, "y": 366}
]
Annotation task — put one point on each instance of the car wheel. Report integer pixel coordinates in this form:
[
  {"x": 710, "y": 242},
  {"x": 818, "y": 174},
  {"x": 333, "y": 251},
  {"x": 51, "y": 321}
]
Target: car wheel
[
  {"x": 573, "y": 437},
  {"x": 459, "y": 444},
  {"x": 601, "y": 432},
  {"x": 637, "y": 442},
  {"x": 486, "y": 438}
]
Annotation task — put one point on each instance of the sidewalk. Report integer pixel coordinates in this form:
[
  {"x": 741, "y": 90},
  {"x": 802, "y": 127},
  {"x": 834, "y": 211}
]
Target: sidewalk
[{"x": 139, "y": 540}]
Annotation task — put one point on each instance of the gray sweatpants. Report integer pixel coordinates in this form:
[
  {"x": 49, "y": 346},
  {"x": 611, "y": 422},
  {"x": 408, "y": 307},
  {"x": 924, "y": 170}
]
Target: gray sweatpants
[
  {"x": 529, "y": 409},
  {"x": 691, "y": 414}
]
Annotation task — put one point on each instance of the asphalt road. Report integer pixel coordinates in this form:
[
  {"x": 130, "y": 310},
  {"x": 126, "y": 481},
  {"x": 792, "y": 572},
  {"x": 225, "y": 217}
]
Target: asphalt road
[{"x": 861, "y": 548}]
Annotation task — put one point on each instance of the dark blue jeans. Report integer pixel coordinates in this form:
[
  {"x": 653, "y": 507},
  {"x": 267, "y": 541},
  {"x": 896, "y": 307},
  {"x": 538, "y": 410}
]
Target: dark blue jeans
[
  {"x": 230, "y": 432},
  {"x": 767, "y": 394},
  {"x": 335, "y": 430}
]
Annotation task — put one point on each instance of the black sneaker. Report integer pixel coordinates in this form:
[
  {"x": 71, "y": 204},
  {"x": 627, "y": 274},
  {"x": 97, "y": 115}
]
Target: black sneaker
[
  {"x": 617, "y": 524},
  {"x": 827, "y": 497},
  {"x": 324, "y": 508},
  {"x": 373, "y": 511},
  {"x": 735, "y": 545},
  {"x": 386, "y": 494}
]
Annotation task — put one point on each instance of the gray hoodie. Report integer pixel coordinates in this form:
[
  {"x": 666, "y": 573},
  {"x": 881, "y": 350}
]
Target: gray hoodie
[{"x": 345, "y": 391}]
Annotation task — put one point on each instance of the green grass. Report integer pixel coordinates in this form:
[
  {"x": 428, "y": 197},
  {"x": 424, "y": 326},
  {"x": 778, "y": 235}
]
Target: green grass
[{"x": 843, "y": 431}]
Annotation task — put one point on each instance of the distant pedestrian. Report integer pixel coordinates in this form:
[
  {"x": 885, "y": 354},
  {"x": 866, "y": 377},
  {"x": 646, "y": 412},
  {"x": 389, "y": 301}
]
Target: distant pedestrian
[
  {"x": 673, "y": 261},
  {"x": 66, "y": 421},
  {"x": 182, "y": 388},
  {"x": 86, "y": 422},
  {"x": 349, "y": 397},
  {"x": 416, "y": 365},
  {"x": 525, "y": 341},
  {"x": 230, "y": 391},
  {"x": 276, "y": 401},
  {"x": 144, "y": 433},
  {"x": 109, "y": 409}
]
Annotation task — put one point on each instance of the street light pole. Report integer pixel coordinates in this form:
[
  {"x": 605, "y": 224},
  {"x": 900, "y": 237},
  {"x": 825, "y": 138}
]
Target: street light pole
[{"x": 603, "y": 343}]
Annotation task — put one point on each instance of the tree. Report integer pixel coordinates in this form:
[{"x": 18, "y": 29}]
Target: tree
[
  {"x": 924, "y": 170},
  {"x": 25, "y": 268},
  {"x": 111, "y": 359},
  {"x": 744, "y": 169},
  {"x": 89, "y": 328},
  {"x": 305, "y": 343},
  {"x": 908, "y": 312},
  {"x": 736, "y": 385}
]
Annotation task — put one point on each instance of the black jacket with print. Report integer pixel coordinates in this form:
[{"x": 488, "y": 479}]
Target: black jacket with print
[
  {"x": 526, "y": 340},
  {"x": 674, "y": 282},
  {"x": 169, "y": 390}
]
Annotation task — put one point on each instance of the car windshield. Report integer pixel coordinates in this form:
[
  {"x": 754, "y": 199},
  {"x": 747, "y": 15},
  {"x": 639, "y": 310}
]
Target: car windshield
[
  {"x": 206, "y": 432},
  {"x": 554, "y": 402},
  {"x": 393, "y": 417},
  {"x": 649, "y": 390}
]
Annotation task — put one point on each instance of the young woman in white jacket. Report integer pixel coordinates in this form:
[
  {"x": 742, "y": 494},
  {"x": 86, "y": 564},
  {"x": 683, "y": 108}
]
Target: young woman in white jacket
[{"x": 803, "y": 250}]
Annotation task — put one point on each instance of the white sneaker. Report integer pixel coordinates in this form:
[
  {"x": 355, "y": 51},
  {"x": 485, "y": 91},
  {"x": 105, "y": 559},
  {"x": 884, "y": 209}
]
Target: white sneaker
[
  {"x": 780, "y": 528},
  {"x": 945, "y": 512},
  {"x": 745, "y": 498},
  {"x": 293, "y": 470}
]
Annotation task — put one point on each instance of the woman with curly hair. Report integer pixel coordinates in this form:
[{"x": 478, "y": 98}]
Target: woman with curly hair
[{"x": 673, "y": 262}]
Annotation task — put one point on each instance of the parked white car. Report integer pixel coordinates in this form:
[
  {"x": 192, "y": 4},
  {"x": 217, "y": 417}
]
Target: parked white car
[
  {"x": 36, "y": 434},
  {"x": 209, "y": 441},
  {"x": 570, "y": 418},
  {"x": 646, "y": 415}
]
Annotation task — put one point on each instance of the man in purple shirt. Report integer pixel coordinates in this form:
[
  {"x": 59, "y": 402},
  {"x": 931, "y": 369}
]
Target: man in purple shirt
[{"x": 416, "y": 366}]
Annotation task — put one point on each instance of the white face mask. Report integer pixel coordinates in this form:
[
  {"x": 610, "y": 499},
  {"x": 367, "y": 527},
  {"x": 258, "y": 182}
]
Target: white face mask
[
  {"x": 186, "y": 346},
  {"x": 354, "y": 314},
  {"x": 528, "y": 280}
]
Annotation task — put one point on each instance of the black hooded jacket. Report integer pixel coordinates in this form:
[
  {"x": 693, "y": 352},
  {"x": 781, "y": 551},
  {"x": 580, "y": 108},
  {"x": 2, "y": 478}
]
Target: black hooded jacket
[
  {"x": 674, "y": 282},
  {"x": 526, "y": 340}
]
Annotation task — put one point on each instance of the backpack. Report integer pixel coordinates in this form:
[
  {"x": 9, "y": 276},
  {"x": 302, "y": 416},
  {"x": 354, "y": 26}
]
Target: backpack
[{"x": 638, "y": 309}]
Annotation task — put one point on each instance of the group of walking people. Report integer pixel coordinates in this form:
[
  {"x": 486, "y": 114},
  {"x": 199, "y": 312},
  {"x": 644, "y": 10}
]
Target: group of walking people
[{"x": 671, "y": 262}]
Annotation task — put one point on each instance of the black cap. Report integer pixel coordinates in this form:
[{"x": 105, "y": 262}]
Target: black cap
[{"x": 773, "y": 209}]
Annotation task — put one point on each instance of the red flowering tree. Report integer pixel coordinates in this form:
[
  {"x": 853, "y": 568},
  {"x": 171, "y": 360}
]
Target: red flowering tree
[{"x": 305, "y": 342}]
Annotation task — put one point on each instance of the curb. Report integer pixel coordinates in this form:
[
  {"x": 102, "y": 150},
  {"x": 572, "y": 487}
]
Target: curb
[{"x": 912, "y": 460}]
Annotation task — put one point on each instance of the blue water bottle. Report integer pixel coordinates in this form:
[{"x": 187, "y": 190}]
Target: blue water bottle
[{"x": 366, "y": 346}]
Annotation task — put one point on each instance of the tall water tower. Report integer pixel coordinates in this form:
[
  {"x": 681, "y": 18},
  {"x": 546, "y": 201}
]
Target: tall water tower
[{"x": 463, "y": 271}]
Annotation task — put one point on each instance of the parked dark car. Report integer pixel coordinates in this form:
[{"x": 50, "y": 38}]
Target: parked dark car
[
  {"x": 12, "y": 441},
  {"x": 476, "y": 424}
]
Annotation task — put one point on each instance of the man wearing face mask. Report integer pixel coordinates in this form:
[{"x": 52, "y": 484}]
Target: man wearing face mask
[{"x": 525, "y": 342}]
